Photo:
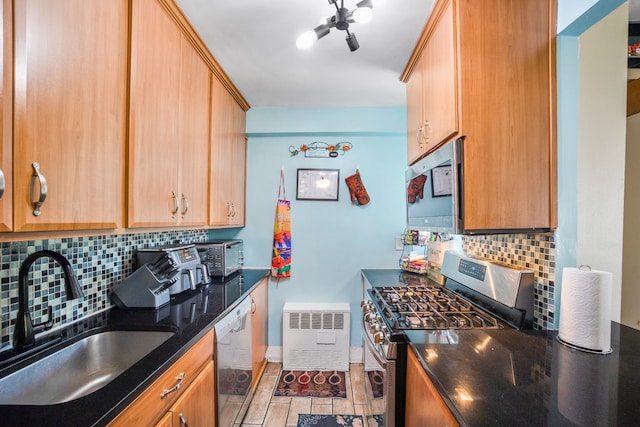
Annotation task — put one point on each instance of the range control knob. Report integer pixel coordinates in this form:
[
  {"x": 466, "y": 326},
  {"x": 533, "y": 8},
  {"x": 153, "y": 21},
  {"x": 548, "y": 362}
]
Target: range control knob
[
  {"x": 375, "y": 328},
  {"x": 377, "y": 337}
]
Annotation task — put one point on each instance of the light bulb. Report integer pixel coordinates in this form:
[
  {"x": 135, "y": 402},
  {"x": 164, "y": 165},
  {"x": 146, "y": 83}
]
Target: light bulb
[
  {"x": 306, "y": 40},
  {"x": 362, "y": 15}
]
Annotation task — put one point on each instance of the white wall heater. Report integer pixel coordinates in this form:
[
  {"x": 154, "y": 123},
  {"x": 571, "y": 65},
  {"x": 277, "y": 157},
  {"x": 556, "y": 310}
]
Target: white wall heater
[{"x": 315, "y": 336}]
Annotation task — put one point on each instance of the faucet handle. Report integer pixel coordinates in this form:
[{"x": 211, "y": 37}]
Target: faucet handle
[{"x": 46, "y": 325}]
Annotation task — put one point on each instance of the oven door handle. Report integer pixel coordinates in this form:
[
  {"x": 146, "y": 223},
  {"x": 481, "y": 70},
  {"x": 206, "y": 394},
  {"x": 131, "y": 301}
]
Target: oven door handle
[{"x": 370, "y": 344}]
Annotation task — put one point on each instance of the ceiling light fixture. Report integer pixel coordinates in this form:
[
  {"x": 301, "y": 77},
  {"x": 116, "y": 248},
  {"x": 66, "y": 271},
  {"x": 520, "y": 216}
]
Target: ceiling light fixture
[{"x": 341, "y": 20}]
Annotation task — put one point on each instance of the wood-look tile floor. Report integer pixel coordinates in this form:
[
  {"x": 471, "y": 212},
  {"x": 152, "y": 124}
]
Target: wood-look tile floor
[{"x": 279, "y": 411}]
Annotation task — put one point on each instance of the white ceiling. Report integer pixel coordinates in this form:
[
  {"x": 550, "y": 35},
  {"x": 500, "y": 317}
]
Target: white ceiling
[{"x": 255, "y": 43}]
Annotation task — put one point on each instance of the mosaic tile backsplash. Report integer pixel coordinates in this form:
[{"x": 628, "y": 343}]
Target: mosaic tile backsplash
[
  {"x": 98, "y": 261},
  {"x": 533, "y": 251}
]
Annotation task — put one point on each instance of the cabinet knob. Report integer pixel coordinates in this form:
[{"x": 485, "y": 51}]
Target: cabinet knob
[
  {"x": 176, "y": 204},
  {"x": 2, "y": 183},
  {"x": 39, "y": 200},
  {"x": 183, "y": 422},
  {"x": 168, "y": 391},
  {"x": 186, "y": 205}
]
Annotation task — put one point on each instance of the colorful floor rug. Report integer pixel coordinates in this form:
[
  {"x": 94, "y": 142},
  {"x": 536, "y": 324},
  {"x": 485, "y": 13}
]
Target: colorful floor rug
[
  {"x": 376, "y": 379},
  {"x": 305, "y": 420},
  {"x": 311, "y": 384}
]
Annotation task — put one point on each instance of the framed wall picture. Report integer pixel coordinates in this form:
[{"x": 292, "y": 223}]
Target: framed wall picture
[
  {"x": 318, "y": 184},
  {"x": 441, "y": 181}
]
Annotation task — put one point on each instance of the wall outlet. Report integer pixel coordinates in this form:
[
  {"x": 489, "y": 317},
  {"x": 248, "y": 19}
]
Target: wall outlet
[{"x": 399, "y": 244}]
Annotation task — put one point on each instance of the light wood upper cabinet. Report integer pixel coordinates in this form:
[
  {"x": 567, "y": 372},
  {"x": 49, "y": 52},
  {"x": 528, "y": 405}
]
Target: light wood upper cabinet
[
  {"x": 415, "y": 113},
  {"x": 169, "y": 123},
  {"x": 494, "y": 85},
  {"x": 70, "y": 79},
  {"x": 440, "y": 102},
  {"x": 432, "y": 103},
  {"x": 6, "y": 116},
  {"x": 228, "y": 159},
  {"x": 194, "y": 119},
  {"x": 259, "y": 330}
]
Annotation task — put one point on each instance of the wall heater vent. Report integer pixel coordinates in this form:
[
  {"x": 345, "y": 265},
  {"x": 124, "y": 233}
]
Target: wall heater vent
[{"x": 316, "y": 336}]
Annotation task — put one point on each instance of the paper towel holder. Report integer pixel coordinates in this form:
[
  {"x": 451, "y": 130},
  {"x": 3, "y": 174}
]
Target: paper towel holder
[
  {"x": 583, "y": 267},
  {"x": 586, "y": 350}
]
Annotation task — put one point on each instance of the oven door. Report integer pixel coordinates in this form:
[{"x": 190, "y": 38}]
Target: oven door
[{"x": 379, "y": 381}]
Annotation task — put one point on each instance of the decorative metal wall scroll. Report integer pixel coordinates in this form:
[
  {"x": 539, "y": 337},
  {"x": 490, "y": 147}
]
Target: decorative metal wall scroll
[{"x": 321, "y": 149}]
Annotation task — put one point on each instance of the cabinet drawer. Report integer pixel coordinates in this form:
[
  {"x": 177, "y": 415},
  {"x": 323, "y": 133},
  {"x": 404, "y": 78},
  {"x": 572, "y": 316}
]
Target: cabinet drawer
[{"x": 149, "y": 407}]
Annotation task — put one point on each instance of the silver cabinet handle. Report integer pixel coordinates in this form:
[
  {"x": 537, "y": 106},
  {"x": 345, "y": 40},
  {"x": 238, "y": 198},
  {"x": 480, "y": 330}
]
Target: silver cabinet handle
[
  {"x": 228, "y": 210},
  {"x": 2, "y": 183},
  {"x": 233, "y": 210},
  {"x": 176, "y": 204},
  {"x": 253, "y": 306},
  {"x": 427, "y": 130},
  {"x": 39, "y": 201},
  {"x": 182, "y": 420},
  {"x": 186, "y": 205},
  {"x": 167, "y": 391}
]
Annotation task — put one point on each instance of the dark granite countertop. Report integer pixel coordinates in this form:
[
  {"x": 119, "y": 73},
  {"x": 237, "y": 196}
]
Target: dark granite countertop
[
  {"x": 527, "y": 378},
  {"x": 190, "y": 316}
]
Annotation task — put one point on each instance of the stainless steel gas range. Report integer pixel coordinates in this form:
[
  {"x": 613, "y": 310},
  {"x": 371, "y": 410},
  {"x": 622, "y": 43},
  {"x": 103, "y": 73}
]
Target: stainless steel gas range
[{"x": 477, "y": 294}]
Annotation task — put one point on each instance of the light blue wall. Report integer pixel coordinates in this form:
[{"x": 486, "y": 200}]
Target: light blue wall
[
  {"x": 568, "y": 79},
  {"x": 331, "y": 241}
]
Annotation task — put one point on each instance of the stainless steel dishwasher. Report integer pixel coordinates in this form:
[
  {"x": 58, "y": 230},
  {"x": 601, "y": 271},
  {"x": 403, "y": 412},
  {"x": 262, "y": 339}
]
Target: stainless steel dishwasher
[{"x": 233, "y": 361}]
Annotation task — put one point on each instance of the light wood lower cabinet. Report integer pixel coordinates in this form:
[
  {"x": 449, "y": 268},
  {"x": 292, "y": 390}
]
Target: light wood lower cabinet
[
  {"x": 259, "y": 330},
  {"x": 192, "y": 376},
  {"x": 424, "y": 406},
  {"x": 195, "y": 407}
]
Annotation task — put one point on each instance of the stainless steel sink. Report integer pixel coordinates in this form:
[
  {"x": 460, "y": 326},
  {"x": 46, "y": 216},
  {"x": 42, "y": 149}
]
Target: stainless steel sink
[{"x": 79, "y": 369}]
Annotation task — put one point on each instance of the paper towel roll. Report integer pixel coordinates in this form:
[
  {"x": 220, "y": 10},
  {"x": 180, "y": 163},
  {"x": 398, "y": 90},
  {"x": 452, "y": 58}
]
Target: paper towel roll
[{"x": 585, "y": 309}]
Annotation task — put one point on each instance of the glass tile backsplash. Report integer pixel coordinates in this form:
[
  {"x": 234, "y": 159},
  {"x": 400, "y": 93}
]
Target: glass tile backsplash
[
  {"x": 102, "y": 261},
  {"x": 533, "y": 251},
  {"x": 99, "y": 262}
]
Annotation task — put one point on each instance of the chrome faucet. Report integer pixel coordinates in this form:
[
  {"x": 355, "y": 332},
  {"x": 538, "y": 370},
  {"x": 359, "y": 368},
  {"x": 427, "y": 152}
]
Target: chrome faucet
[{"x": 25, "y": 330}]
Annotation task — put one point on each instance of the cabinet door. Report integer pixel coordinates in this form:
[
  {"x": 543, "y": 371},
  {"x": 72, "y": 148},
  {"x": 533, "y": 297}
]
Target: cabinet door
[
  {"x": 508, "y": 114},
  {"x": 193, "y": 137},
  {"x": 196, "y": 406},
  {"x": 222, "y": 117},
  {"x": 238, "y": 171},
  {"x": 259, "y": 329},
  {"x": 70, "y": 76},
  {"x": 440, "y": 81},
  {"x": 6, "y": 123},
  {"x": 150, "y": 407},
  {"x": 415, "y": 117},
  {"x": 153, "y": 127},
  {"x": 166, "y": 421},
  {"x": 424, "y": 406}
]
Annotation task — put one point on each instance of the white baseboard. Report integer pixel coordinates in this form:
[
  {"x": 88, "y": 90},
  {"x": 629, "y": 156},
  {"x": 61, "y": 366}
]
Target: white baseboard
[{"x": 274, "y": 354}]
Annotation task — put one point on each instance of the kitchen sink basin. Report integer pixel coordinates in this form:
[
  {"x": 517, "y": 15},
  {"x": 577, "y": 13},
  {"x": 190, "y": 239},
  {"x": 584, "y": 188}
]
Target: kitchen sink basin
[{"x": 78, "y": 369}]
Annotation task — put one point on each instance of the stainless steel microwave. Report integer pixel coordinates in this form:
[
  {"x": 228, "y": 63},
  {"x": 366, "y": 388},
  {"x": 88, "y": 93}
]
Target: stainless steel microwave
[
  {"x": 434, "y": 190},
  {"x": 222, "y": 257}
]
